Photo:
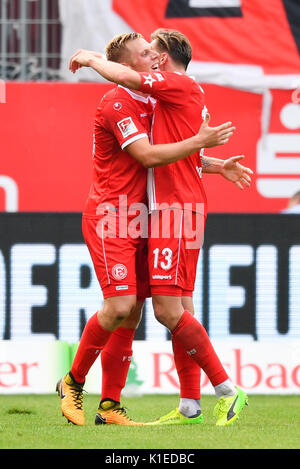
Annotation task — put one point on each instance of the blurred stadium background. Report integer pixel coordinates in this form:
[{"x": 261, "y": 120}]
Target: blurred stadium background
[{"x": 246, "y": 57}]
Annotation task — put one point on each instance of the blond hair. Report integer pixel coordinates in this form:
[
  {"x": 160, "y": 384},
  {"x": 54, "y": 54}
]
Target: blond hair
[
  {"x": 175, "y": 44},
  {"x": 116, "y": 50}
]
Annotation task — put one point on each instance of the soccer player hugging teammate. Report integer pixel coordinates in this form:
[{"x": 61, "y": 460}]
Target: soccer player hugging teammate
[
  {"x": 173, "y": 260},
  {"x": 179, "y": 112}
]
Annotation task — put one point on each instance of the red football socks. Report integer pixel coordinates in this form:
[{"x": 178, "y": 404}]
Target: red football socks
[
  {"x": 189, "y": 372},
  {"x": 92, "y": 341},
  {"x": 115, "y": 360},
  {"x": 194, "y": 339}
]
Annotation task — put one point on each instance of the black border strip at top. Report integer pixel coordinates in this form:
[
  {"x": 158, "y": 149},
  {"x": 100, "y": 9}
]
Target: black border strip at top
[
  {"x": 292, "y": 9},
  {"x": 181, "y": 9}
]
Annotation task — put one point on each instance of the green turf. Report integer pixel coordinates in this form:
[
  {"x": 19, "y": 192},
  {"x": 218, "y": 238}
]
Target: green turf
[{"x": 35, "y": 422}]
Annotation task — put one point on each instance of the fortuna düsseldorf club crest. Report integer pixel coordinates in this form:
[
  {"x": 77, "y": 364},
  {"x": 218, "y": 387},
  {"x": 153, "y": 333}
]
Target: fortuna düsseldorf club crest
[{"x": 119, "y": 272}]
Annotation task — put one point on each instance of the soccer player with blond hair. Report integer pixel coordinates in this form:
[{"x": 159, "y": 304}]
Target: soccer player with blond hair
[{"x": 122, "y": 154}]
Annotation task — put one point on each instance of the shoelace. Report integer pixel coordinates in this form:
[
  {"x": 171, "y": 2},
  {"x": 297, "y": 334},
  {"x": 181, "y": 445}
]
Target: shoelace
[
  {"x": 221, "y": 406},
  {"x": 122, "y": 411},
  {"x": 77, "y": 393},
  {"x": 170, "y": 416}
]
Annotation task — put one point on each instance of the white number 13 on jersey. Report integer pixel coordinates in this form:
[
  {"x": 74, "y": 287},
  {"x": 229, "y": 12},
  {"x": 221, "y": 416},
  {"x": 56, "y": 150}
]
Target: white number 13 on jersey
[{"x": 167, "y": 262}]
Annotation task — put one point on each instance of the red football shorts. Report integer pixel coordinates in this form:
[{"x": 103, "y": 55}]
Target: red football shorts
[
  {"x": 176, "y": 237},
  {"x": 120, "y": 263}
]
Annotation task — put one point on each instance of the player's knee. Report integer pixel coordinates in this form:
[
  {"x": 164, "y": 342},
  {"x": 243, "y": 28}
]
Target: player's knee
[
  {"x": 167, "y": 312},
  {"x": 161, "y": 313},
  {"x": 117, "y": 311},
  {"x": 122, "y": 311}
]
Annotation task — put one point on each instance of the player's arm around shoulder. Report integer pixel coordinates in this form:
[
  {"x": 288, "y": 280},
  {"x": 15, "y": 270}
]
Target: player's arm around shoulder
[
  {"x": 151, "y": 156},
  {"x": 115, "y": 72},
  {"x": 172, "y": 88},
  {"x": 111, "y": 71}
]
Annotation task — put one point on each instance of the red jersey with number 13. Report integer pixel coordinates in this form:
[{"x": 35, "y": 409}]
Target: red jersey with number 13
[{"x": 179, "y": 113}]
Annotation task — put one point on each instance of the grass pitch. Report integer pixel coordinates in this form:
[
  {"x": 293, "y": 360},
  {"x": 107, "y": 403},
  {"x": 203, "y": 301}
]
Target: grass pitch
[{"x": 35, "y": 422}]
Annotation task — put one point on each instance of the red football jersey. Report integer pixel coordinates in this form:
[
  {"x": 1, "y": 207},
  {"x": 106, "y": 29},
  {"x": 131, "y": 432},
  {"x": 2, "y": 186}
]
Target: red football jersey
[
  {"x": 179, "y": 113},
  {"x": 122, "y": 117}
]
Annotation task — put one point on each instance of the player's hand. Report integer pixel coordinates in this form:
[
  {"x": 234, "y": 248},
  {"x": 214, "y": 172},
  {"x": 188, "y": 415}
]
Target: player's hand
[
  {"x": 81, "y": 59},
  {"x": 235, "y": 172},
  {"x": 214, "y": 136}
]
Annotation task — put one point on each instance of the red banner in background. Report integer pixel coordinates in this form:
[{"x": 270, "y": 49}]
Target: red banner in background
[
  {"x": 267, "y": 133},
  {"x": 46, "y": 143},
  {"x": 240, "y": 32},
  {"x": 46, "y": 147}
]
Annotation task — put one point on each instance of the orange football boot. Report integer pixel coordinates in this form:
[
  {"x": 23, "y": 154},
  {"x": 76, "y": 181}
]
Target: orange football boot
[
  {"x": 71, "y": 395},
  {"x": 110, "y": 412}
]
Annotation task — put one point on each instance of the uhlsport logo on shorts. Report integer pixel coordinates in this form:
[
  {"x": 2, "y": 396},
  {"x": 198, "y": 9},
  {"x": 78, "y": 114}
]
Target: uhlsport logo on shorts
[{"x": 119, "y": 272}]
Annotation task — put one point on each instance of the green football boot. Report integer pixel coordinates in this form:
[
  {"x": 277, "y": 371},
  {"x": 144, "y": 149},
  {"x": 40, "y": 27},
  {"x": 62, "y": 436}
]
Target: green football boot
[
  {"x": 227, "y": 409},
  {"x": 176, "y": 418}
]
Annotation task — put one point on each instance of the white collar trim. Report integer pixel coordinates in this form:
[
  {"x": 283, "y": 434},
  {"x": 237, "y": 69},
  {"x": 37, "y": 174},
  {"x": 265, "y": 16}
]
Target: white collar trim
[{"x": 138, "y": 97}]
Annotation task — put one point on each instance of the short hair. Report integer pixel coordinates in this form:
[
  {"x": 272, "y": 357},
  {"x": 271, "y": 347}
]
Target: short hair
[
  {"x": 296, "y": 197},
  {"x": 175, "y": 44},
  {"x": 116, "y": 50}
]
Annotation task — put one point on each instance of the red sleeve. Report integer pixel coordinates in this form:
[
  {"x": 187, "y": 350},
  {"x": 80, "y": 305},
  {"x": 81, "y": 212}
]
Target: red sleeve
[
  {"x": 121, "y": 118},
  {"x": 166, "y": 86}
]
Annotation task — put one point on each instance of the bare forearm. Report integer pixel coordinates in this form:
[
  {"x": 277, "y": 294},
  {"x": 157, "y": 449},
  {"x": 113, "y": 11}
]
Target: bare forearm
[
  {"x": 170, "y": 153},
  {"x": 212, "y": 165},
  {"x": 115, "y": 72},
  {"x": 160, "y": 155},
  {"x": 151, "y": 156}
]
